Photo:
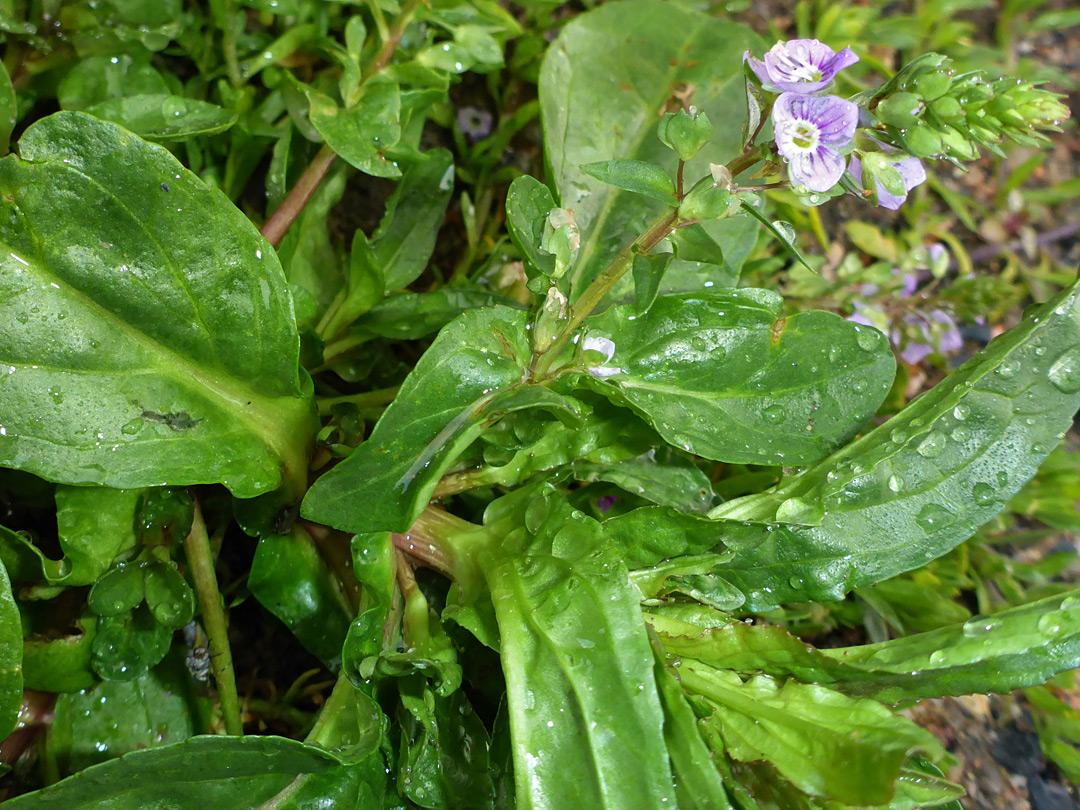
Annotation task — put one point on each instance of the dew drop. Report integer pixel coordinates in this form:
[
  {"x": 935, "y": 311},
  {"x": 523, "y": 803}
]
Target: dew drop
[
  {"x": 983, "y": 494},
  {"x": 895, "y": 483},
  {"x": 774, "y": 414},
  {"x": 132, "y": 427},
  {"x": 980, "y": 626},
  {"x": 1065, "y": 373},
  {"x": 932, "y": 446},
  {"x": 938, "y": 657},
  {"x": 961, "y": 412},
  {"x": 934, "y": 517},
  {"x": 1008, "y": 369},
  {"x": 867, "y": 339}
]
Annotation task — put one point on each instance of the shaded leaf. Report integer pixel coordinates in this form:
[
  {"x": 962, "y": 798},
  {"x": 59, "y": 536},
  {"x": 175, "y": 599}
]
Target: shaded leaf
[
  {"x": 226, "y": 773},
  {"x": 163, "y": 117}
]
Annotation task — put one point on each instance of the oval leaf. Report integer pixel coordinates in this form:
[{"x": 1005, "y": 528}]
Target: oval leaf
[
  {"x": 146, "y": 330},
  {"x": 722, "y": 374}
]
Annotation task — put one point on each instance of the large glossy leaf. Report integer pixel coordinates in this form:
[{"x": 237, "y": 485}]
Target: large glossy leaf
[
  {"x": 146, "y": 332},
  {"x": 603, "y": 86},
  {"x": 226, "y": 773},
  {"x": 827, "y": 744},
  {"x": 584, "y": 710},
  {"x": 291, "y": 580},
  {"x": 385, "y": 483},
  {"x": 11, "y": 653},
  {"x": 724, "y": 375},
  {"x": 908, "y": 491}
]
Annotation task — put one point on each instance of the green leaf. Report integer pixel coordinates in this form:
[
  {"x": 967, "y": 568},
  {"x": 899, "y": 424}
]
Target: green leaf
[
  {"x": 661, "y": 475},
  {"x": 410, "y": 316},
  {"x": 226, "y": 773},
  {"x": 415, "y": 211},
  {"x": 827, "y": 744},
  {"x": 177, "y": 356},
  {"x": 102, "y": 77},
  {"x": 128, "y": 644},
  {"x": 584, "y": 711},
  {"x": 61, "y": 664},
  {"x": 169, "y": 597},
  {"x": 95, "y": 524},
  {"x": 724, "y": 375},
  {"x": 913, "y": 488},
  {"x": 11, "y": 654},
  {"x": 782, "y": 231},
  {"x": 442, "y": 404},
  {"x": 290, "y": 579},
  {"x": 444, "y": 753},
  {"x": 115, "y": 718},
  {"x": 698, "y": 785},
  {"x": 360, "y": 134},
  {"x": 603, "y": 84},
  {"x": 635, "y": 176},
  {"x": 528, "y": 203},
  {"x": 9, "y": 109},
  {"x": 164, "y": 117}
]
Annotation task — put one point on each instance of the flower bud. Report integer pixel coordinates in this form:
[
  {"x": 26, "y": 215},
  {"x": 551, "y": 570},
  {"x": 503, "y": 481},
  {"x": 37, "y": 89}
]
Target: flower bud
[
  {"x": 922, "y": 141},
  {"x": 956, "y": 145},
  {"x": 900, "y": 110},
  {"x": 932, "y": 84},
  {"x": 948, "y": 109},
  {"x": 707, "y": 202},
  {"x": 685, "y": 132}
]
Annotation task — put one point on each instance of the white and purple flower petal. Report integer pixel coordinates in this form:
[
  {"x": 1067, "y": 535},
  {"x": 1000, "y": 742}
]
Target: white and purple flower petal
[
  {"x": 911, "y": 173},
  {"x": 810, "y": 131},
  {"x": 800, "y": 65}
]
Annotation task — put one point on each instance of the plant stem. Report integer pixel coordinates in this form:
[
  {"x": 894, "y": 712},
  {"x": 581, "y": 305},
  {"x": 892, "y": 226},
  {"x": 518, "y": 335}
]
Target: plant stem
[
  {"x": 601, "y": 286},
  {"x": 393, "y": 40},
  {"x": 275, "y": 228},
  {"x": 201, "y": 560},
  {"x": 368, "y": 399},
  {"x": 232, "y": 63}
]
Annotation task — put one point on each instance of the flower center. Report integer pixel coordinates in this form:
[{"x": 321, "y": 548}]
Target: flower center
[{"x": 806, "y": 135}]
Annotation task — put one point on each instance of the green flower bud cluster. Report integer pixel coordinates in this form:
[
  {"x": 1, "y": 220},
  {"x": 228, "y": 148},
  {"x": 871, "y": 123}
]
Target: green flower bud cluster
[{"x": 930, "y": 111}]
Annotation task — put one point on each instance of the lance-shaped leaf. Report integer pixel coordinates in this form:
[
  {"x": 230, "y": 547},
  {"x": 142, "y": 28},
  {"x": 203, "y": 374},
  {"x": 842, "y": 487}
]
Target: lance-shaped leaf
[
  {"x": 635, "y": 176},
  {"x": 827, "y": 744},
  {"x": 724, "y": 375},
  {"x": 146, "y": 331},
  {"x": 226, "y": 773},
  {"x": 161, "y": 117},
  {"x": 11, "y": 653},
  {"x": 470, "y": 376},
  {"x": 584, "y": 710},
  {"x": 604, "y": 84},
  {"x": 903, "y": 494}
]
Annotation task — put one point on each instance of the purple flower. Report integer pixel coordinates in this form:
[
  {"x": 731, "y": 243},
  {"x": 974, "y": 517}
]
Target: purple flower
[
  {"x": 810, "y": 131},
  {"x": 800, "y": 66},
  {"x": 911, "y": 173},
  {"x": 604, "y": 503},
  {"x": 475, "y": 123},
  {"x": 945, "y": 334}
]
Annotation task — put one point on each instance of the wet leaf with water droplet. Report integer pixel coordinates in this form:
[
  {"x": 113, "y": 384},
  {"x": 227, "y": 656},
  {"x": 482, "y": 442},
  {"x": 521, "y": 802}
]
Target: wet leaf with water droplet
[
  {"x": 723, "y": 374},
  {"x": 169, "y": 315}
]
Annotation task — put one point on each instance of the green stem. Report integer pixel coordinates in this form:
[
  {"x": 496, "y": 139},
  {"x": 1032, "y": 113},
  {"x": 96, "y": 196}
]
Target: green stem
[
  {"x": 232, "y": 63},
  {"x": 393, "y": 40},
  {"x": 602, "y": 285},
  {"x": 201, "y": 560},
  {"x": 445, "y": 543},
  {"x": 368, "y": 399}
]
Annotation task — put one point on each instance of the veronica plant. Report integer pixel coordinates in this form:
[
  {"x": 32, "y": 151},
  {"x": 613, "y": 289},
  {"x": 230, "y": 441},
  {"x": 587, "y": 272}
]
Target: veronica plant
[{"x": 522, "y": 578}]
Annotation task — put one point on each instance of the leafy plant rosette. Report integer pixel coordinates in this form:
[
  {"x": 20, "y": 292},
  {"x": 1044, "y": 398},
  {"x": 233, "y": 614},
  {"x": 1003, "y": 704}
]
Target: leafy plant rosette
[{"x": 544, "y": 459}]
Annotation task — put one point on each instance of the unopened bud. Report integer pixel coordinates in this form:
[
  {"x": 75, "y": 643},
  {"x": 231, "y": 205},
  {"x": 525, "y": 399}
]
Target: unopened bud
[
  {"x": 900, "y": 110},
  {"x": 948, "y": 109},
  {"x": 685, "y": 132},
  {"x": 922, "y": 141}
]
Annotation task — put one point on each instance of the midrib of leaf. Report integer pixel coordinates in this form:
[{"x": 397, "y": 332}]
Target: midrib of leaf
[
  {"x": 268, "y": 416},
  {"x": 597, "y": 226}
]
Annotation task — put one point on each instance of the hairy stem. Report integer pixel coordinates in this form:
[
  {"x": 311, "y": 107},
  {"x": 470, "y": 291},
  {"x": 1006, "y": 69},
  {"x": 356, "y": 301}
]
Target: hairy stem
[{"x": 201, "y": 560}]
